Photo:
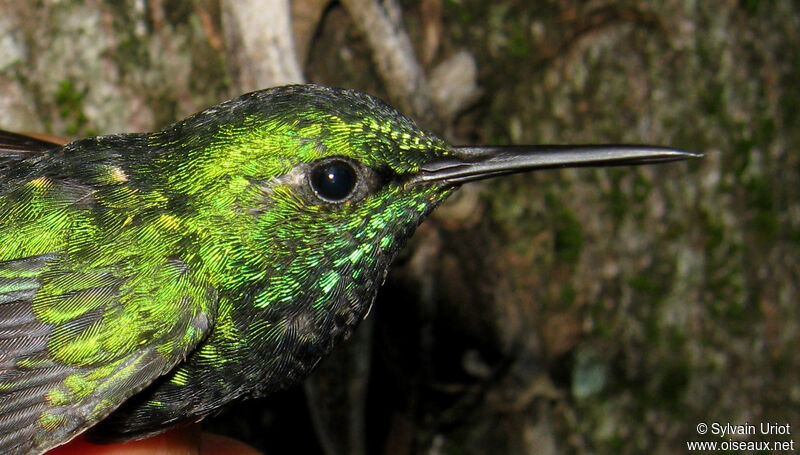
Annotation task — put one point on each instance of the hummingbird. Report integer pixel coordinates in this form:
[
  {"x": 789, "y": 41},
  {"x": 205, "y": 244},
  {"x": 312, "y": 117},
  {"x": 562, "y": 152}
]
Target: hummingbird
[{"x": 147, "y": 280}]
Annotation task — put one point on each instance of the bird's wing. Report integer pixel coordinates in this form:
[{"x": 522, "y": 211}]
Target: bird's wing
[
  {"x": 75, "y": 344},
  {"x": 96, "y": 301},
  {"x": 17, "y": 143}
]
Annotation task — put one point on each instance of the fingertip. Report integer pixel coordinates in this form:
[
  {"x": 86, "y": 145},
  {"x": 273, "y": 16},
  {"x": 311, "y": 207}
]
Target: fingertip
[
  {"x": 212, "y": 444},
  {"x": 180, "y": 441}
]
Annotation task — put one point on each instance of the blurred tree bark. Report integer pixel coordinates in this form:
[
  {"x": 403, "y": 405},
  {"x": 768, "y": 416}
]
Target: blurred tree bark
[
  {"x": 260, "y": 44},
  {"x": 581, "y": 311}
]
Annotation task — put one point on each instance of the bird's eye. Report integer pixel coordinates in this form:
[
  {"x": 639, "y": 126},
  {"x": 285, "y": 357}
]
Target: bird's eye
[{"x": 333, "y": 180}]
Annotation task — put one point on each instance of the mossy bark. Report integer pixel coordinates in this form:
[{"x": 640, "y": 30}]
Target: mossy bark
[{"x": 577, "y": 311}]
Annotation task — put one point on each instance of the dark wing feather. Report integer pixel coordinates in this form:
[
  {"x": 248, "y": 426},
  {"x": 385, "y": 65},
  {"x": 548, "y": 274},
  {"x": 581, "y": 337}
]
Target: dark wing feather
[
  {"x": 15, "y": 143},
  {"x": 49, "y": 394},
  {"x": 95, "y": 301}
]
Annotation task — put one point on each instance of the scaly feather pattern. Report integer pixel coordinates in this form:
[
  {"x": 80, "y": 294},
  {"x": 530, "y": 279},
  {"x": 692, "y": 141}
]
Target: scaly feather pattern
[
  {"x": 124, "y": 255},
  {"x": 299, "y": 272},
  {"x": 96, "y": 300}
]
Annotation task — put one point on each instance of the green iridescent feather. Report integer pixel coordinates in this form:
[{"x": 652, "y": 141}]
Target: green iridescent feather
[{"x": 199, "y": 246}]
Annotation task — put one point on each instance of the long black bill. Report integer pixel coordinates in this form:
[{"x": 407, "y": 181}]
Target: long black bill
[{"x": 466, "y": 164}]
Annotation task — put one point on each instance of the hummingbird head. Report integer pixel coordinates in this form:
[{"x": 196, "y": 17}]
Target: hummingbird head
[
  {"x": 308, "y": 192},
  {"x": 302, "y": 196}
]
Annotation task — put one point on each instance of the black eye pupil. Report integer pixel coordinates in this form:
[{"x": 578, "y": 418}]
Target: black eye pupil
[{"x": 333, "y": 180}]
